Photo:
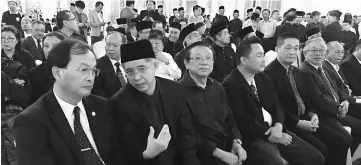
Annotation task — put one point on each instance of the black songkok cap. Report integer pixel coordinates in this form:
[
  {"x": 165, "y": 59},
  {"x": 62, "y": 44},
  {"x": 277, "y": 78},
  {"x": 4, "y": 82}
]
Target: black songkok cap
[
  {"x": 144, "y": 25},
  {"x": 312, "y": 32},
  {"x": 121, "y": 21},
  {"x": 216, "y": 28},
  {"x": 120, "y": 30},
  {"x": 176, "y": 25},
  {"x": 259, "y": 34},
  {"x": 134, "y": 20},
  {"x": 186, "y": 31},
  {"x": 259, "y": 8},
  {"x": 131, "y": 51},
  {"x": 335, "y": 13},
  {"x": 249, "y": 10},
  {"x": 300, "y": 13},
  {"x": 245, "y": 31}
]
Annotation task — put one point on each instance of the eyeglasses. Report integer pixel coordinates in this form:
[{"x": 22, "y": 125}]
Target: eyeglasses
[
  {"x": 339, "y": 52},
  {"x": 132, "y": 72},
  {"x": 317, "y": 51},
  {"x": 85, "y": 71},
  {"x": 199, "y": 59},
  {"x": 10, "y": 39}
]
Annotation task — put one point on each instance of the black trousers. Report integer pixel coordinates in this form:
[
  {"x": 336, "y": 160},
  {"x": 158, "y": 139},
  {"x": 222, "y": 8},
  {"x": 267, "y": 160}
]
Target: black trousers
[{"x": 355, "y": 124}]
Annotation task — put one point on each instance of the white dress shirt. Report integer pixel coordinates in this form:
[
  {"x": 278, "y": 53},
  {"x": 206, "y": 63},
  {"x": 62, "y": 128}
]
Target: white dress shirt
[
  {"x": 27, "y": 35},
  {"x": 100, "y": 16},
  {"x": 170, "y": 71},
  {"x": 120, "y": 66},
  {"x": 36, "y": 42},
  {"x": 68, "y": 111},
  {"x": 357, "y": 59},
  {"x": 247, "y": 23},
  {"x": 266, "y": 116},
  {"x": 193, "y": 19},
  {"x": 268, "y": 28}
]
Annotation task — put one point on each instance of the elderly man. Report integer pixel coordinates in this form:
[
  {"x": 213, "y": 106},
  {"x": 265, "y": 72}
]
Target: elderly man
[
  {"x": 257, "y": 110},
  {"x": 153, "y": 123},
  {"x": 172, "y": 45},
  {"x": 112, "y": 75},
  {"x": 300, "y": 117},
  {"x": 68, "y": 125},
  {"x": 334, "y": 55},
  {"x": 188, "y": 36},
  {"x": 326, "y": 97},
  {"x": 225, "y": 55}
]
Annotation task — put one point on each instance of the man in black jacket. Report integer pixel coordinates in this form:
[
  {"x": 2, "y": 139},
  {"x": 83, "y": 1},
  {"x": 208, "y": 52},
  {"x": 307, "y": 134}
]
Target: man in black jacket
[
  {"x": 256, "y": 108},
  {"x": 220, "y": 18},
  {"x": 351, "y": 67},
  {"x": 153, "y": 123},
  {"x": 33, "y": 43},
  {"x": 300, "y": 117}
]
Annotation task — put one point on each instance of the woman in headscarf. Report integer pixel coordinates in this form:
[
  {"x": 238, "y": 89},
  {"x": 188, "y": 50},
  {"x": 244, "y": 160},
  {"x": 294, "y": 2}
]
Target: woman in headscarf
[{"x": 333, "y": 31}]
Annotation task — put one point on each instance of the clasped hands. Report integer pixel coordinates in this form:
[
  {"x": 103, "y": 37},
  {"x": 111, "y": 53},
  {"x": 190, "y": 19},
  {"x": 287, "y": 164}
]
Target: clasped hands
[
  {"x": 277, "y": 136},
  {"x": 155, "y": 146}
]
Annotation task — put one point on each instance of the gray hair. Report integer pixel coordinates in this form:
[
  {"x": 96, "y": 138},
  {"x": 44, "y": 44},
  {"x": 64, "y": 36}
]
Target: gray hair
[{"x": 309, "y": 42}]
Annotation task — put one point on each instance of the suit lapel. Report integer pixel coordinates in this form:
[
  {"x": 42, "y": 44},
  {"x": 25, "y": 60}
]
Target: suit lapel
[
  {"x": 58, "y": 117},
  {"x": 245, "y": 84},
  {"x": 166, "y": 102},
  {"x": 355, "y": 62},
  {"x": 33, "y": 43},
  {"x": 96, "y": 126},
  {"x": 110, "y": 71}
]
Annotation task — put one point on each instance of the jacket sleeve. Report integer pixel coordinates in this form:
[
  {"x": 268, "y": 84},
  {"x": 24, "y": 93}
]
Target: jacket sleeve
[
  {"x": 352, "y": 75},
  {"x": 31, "y": 147},
  {"x": 14, "y": 91},
  {"x": 230, "y": 122},
  {"x": 98, "y": 85}
]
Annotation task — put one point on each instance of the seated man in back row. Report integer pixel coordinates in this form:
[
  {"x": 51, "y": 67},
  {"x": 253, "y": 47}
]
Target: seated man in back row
[{"x": 256, "y": 108}]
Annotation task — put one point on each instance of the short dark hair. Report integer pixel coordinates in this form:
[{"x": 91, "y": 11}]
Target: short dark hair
[
  {"x": 187, "y": 50},
  {"x": 157, "y": 22},
  {"x": 196, "y": 7},
  {"x": 291, "y": 16},
  {"x": 266, "y": 10},
  {"x": 47, "y": 19},
  {"x": 160, "y": 6},
  {"x": 203, "y": 9},
  {"x": 308, "y": 14},
  {"x": 58, "y": 35},
  {"x": 129, "y": 3},
  {"x": 37, "y": 22},
  {"x": 245, "y": 48},
  {"x": 72, "y": 4},
  {"x": 221, "y": 7},
  {"x": 180, "y": 9},
  {"x": 275, "y": 11},
  {"x": 281, "y": 39},
  {"x": 254, "y": 16},
  {"x": 59, "y": 55},
  {"x": 156, "y": 34},
  {"x": 16, "y": 32},
  {"x": 99, "y": 3},
  {"x": 60, "y": 17},
  {"x": 135, "y": 10},
  {"x": 175, "y": 9},
  {"x": 199, "y": 25},
  {"x": 315, "y": 13},
  {"x": 259, "y": 8},
  {"x": 80, "y": 4},
  {"x": 235, "y": 11}
]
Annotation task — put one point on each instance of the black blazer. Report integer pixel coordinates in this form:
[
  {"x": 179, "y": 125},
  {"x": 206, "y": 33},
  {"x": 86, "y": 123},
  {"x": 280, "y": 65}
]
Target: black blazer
[
  {"x": 107, "y": 82},
  {"x": 333, "y": 32},
  {"x": 133, "y": 119},
  {"x": 247, "y": 109},
  {"x": 130, "y": 39},
  {"x": 48, "y": 28},
  {"x": 44, "y": 137},
  {"x": 41, "y": 81},
  {"x": 30, "y": 45},
  {"x": 283, "y": 88},
  {"x": 352, "y": 71},
  {"x": 317, "y": 92}
]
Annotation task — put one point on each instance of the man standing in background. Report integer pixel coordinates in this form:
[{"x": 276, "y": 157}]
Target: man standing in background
[
  {"x": 81, "y": 18},
  {"x": 12, "y": 16},
  {"x": 127, "y": 12},
  {"x": 268, "y": 27},
  {"x": 96, "y": 23},
  {"x": 197, "y": 17}
]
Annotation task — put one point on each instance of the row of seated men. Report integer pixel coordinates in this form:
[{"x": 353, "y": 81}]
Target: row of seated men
[{"x": 294, "y": 119}]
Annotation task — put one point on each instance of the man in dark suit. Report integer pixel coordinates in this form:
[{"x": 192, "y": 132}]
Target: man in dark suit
[
  {"x": 132, "y": 37},
  {"x": 300, "y": 117},
  {"x": 155, "y": 120},
  {"x": 289, "y": 26},
  {"x": 335, "y": 52},
  {"x": 68, "y": 125},
  {"x": 257, "y": 111},
  {"x": 48, "y": 26},
  {"x": 112, "y": 76},
  {"x": 41, "y": 79},
  {"x": 351, "y": 67},
  {"x": 330, "y": 102},
  {"x": 33, "y": 43},
  {"x": 220, "y": 18}
]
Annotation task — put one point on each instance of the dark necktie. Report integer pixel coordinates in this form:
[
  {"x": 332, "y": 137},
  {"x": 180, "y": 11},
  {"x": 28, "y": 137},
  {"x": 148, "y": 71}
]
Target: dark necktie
[
  {"x": 120, "y": 74},
  {"x": 254, "y": 91},
  {"x": 39, "y": 45},
  {"x": 300, "y": 103},
  {"x": 87, "y": 150},
  {"x": 328, "y": 84}
]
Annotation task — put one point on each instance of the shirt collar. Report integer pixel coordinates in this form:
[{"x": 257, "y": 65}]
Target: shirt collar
[
  {"x": 316, "y": 67},
  {"x": 187, "y": 80},
  {"x": 113, "y": 61},
  {"x": 336, "y": 67},
  {"x": 357, "y": 59},
  {"x": 16, "y": 12},
  {"x": 68, "y": 108}
]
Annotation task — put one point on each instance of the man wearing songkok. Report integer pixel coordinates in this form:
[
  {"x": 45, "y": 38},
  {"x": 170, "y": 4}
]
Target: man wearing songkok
[
  {"x": 220, "y": 18},
  {"x": 188, "y": 36},
  {"x": 152, "y": 120},
  {"x": 334, "y": 55},
  {"x": 143, "y": 29},
  {"x": 329, "y": 101},
  {"x": 172, "y": 44},
  {"x": 333, "y": 31},
  {"x": 256, "y": 108},
  {"x": 112, "y": 75},
  {"x": 225, "y": 57},
  {"x": 301, "y": 30},
  {"x": 350, "y": 37},
  {"x": 300, "y": 117},
  {"x": 249, "y": 14},
  {"x": 68, "y": 125}
]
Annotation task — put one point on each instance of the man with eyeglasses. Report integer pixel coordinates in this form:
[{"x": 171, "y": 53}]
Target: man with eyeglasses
[
  {"x": 331, "y": 103},
  {"x": 68, "y": 25},
  {"x": 334, "y": 55},
  {"x": 68, "y": 125},
  {"x": 150, "y": 113},
  {"x": 224, "y": 54}
]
